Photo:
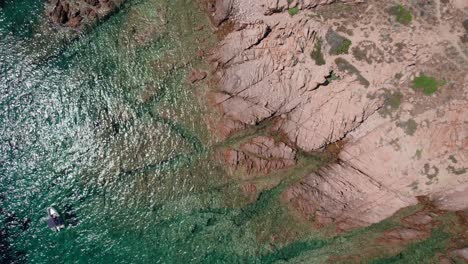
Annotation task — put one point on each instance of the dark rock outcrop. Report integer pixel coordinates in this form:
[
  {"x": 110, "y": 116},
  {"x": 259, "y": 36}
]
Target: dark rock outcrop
[{"x": 80, "y": 13}]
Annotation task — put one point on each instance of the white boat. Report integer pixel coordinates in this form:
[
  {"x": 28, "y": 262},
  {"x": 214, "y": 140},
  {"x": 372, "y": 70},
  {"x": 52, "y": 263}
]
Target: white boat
[{"x": 54, "y": 220}]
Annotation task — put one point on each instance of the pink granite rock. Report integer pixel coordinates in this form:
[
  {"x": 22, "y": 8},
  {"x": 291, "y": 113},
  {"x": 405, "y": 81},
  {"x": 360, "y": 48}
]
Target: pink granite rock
[
  {"x": 261, "y": 155},
  {"x": 396, "y": 149}
]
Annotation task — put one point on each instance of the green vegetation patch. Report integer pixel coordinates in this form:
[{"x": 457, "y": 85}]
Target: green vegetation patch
[
  {"x": 317, "y": 54},
  {"x": 338, "y": 44},
  {"x": 344, "y": 65},
  {"x": 293, "y": 11},
  {"x": 428, "y": 85},
  {"x": 344, "y": 47},
  {"x": 402, "y": 14}
]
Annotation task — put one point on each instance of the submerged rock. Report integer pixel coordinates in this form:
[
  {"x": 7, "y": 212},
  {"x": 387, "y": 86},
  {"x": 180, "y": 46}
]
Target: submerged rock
[{"x": 77, "y": 14}]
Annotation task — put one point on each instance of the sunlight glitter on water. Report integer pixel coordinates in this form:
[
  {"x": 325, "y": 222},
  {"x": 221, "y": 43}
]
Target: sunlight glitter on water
[
  {"x": 105, "y": 129},
  {"x": 78, "y": 136}
]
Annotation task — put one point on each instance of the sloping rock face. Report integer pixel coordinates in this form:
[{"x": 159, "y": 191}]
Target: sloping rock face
[
  {"x": 377, "y": 174},
  {"x": 275, "y": 6},
  {"x": 76, "y": 14},
  {"x": 261, "y": 155},
  {"x": 330, "y": 77},
  {"x": 222, "y": 10}
]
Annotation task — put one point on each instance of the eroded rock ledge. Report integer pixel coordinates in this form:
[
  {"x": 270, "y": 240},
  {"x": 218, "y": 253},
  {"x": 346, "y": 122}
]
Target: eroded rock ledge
[
  {"x": 330, "y": 71},
  {"x": 261, "y": 155}
]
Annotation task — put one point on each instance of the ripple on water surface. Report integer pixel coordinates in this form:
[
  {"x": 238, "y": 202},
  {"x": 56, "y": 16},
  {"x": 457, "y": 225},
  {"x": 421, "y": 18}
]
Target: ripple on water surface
[{"x": 104, "y": 128}]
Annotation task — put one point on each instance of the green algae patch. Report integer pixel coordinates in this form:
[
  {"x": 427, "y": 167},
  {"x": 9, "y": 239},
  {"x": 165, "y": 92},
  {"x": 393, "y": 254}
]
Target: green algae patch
[
  {"x": 293, "y": 11},
  {"x": 428, "y": 85},
  {"x": 402, "y": 14},
  {"x": 317, "y": 54}
]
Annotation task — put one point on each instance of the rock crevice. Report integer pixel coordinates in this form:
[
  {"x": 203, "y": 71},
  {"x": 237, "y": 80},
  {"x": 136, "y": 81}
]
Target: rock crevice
[{"x": 286, "y": 67}]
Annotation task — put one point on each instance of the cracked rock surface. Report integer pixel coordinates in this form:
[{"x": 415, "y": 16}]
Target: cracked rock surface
[
  {"x": 261, "y": 155},
  {"x": 328, "y": 76}
]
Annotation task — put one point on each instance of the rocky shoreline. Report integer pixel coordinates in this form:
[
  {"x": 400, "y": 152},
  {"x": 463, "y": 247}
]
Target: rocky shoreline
[
  {"x": 80, "y": 14},
  {"x": 372, "y": 93},
  {"x": 323, "y": 72}
]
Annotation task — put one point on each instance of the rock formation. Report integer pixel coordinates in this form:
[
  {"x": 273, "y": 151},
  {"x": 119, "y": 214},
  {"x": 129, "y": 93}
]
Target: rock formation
[
  {"x": 346, "y": 71},
  {"x": 76, "y": 14},
  {"x": 221, "y": 11},
  {"x": 261, "y": 155}
]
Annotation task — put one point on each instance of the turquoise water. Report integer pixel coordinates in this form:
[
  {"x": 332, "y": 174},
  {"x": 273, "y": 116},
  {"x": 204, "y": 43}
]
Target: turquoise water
[{"x": 104, "y": 128}]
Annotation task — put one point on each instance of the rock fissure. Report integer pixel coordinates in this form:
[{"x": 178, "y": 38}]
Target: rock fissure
[{"x": 269, "y": 63}]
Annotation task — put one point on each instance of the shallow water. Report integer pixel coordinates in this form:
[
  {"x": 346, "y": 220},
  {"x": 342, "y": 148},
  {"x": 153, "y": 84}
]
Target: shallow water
[{"x": 104, "y": 128}]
